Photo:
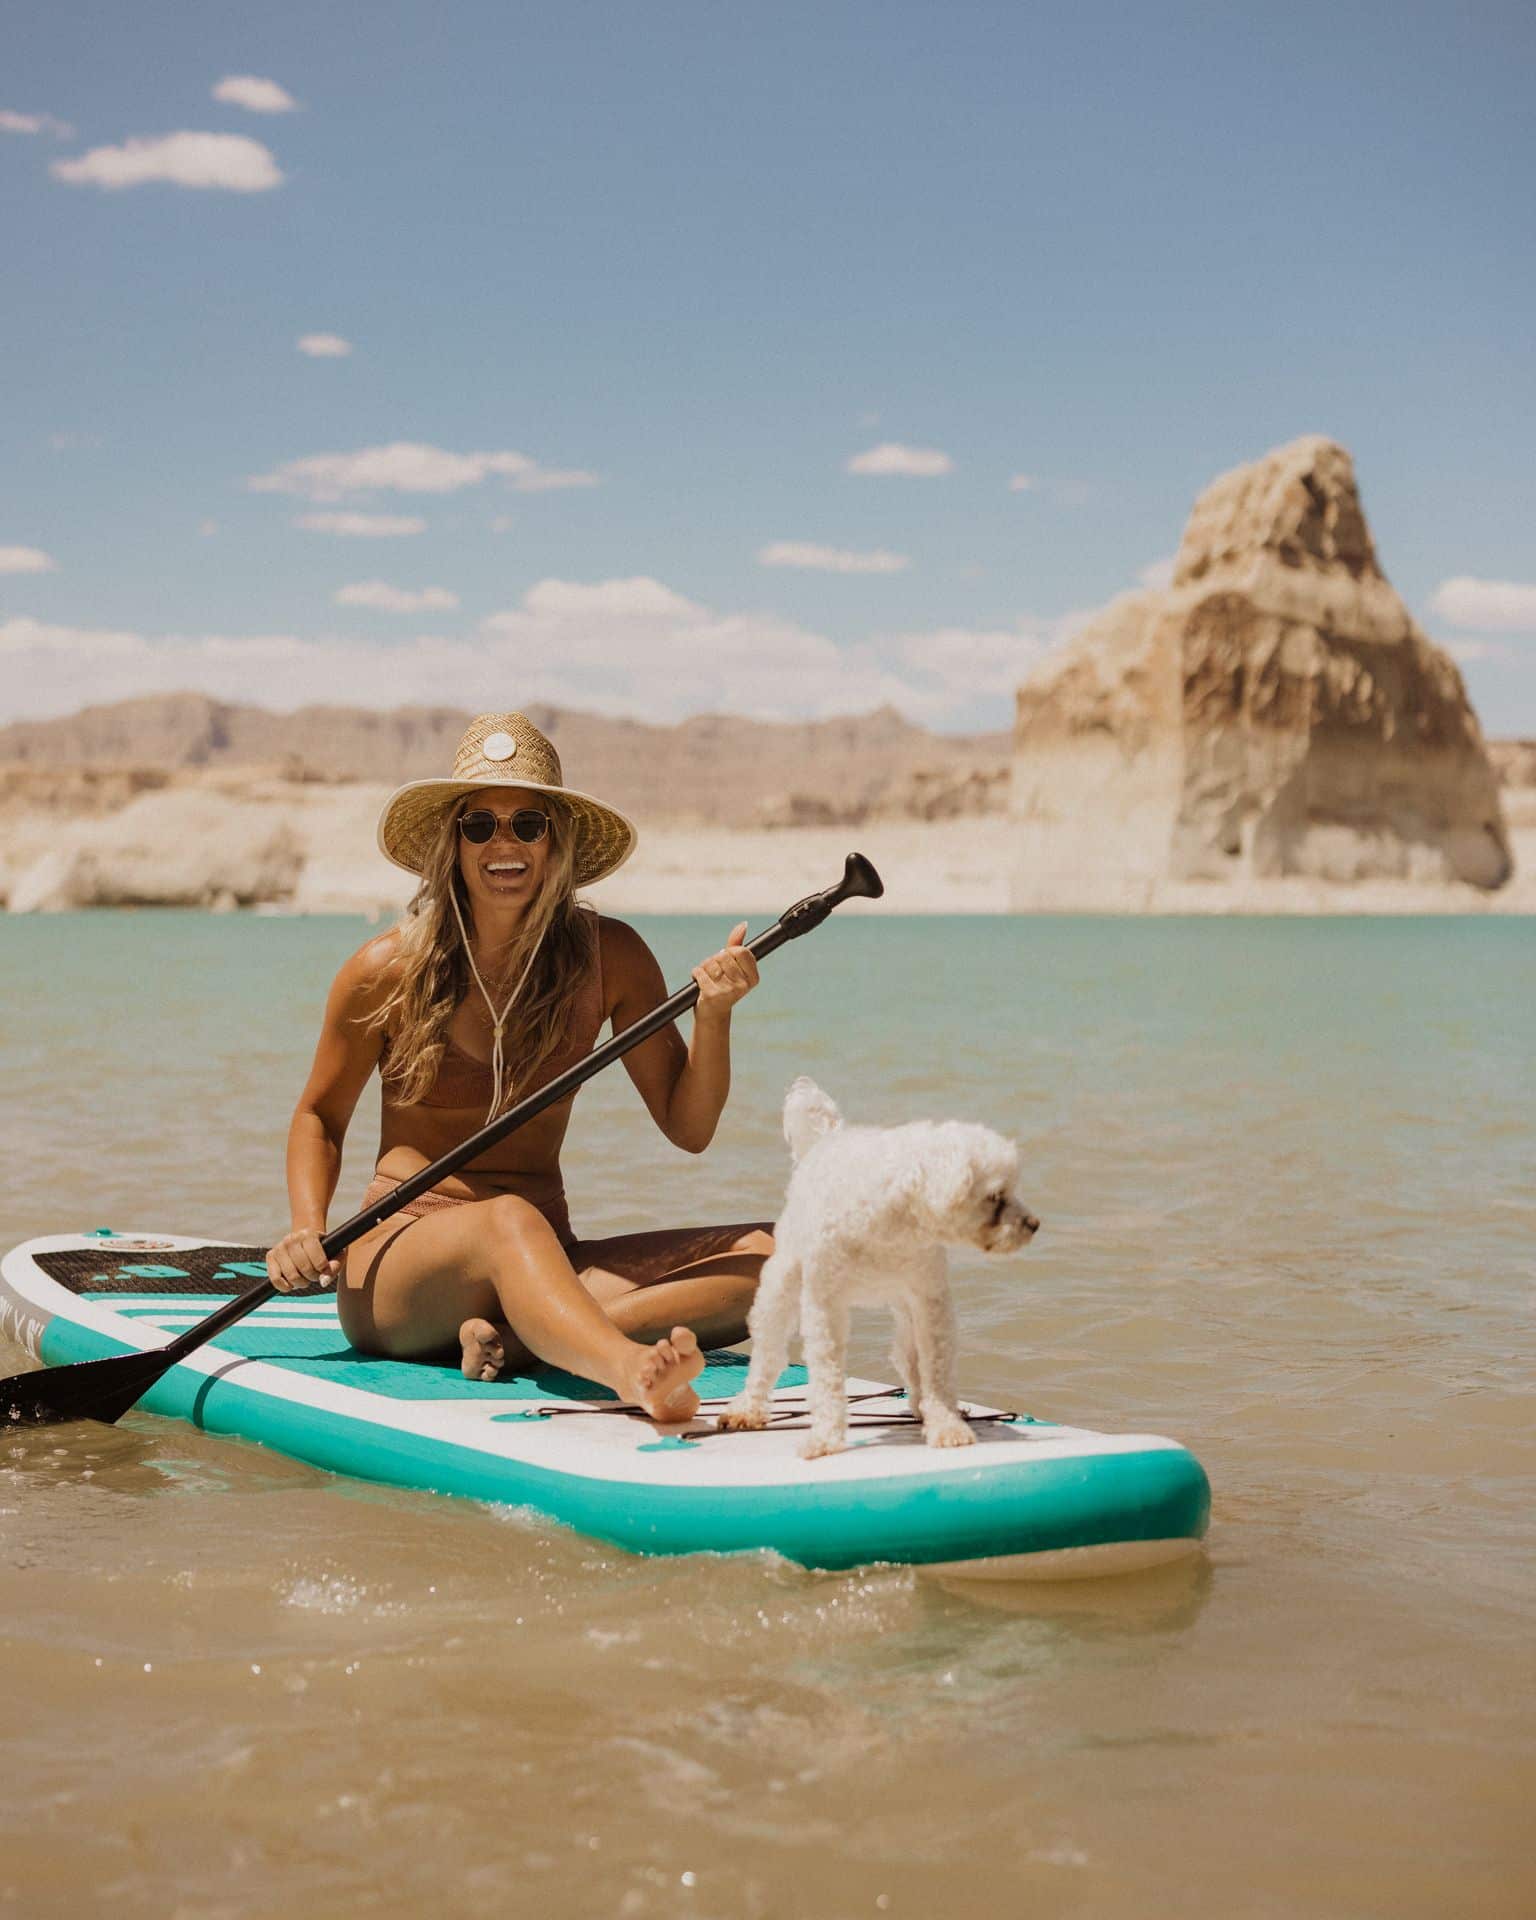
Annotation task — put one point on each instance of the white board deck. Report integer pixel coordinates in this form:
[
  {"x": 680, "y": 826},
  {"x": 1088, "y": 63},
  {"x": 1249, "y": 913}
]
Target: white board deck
[{"x": 1030, "y": 1499}]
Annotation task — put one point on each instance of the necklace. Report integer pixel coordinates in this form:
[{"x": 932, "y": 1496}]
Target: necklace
[{"x": 498, "y": 1020}]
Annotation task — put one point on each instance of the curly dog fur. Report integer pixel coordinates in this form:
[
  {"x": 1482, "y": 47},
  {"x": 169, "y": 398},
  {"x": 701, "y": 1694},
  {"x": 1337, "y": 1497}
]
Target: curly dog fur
[{"x": 865, "y": 1222}]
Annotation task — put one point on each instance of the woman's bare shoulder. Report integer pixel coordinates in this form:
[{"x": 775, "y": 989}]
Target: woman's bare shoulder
[
  {"x": 631, "y": 972},
  {"x": 622, "y": 946},
  {"x": 370, "y": 975}
]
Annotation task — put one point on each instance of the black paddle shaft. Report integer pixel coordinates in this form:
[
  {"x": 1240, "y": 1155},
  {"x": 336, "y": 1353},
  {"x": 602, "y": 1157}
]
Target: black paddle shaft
[{"x": 65, "y": 1393}]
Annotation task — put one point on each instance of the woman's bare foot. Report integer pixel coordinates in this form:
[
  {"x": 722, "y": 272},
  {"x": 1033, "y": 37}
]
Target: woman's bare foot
[
  {"x": 661, "y": 1376},
  {"x": 484, "y": 1354}
]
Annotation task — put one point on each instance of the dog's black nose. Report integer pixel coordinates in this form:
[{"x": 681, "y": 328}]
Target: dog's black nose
[{"x": 1032, "y": 1223}]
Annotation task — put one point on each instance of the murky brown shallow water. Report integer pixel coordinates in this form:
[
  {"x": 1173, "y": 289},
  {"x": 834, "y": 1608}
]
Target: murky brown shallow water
[{"x": 1286, "y": 1176}]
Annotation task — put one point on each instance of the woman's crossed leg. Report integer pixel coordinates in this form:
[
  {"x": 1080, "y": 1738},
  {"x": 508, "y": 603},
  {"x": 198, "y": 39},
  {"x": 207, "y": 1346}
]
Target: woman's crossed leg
[
  {"x": 704, "y": 1278},
  {"x": 413, "y": 1289}
]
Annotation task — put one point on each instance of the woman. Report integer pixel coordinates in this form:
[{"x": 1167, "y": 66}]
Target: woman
[{"x": 495, "y": 981}]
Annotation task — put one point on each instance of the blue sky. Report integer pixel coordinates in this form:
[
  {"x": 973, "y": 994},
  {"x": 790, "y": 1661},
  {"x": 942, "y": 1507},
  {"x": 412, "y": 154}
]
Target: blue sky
[{"x": 689, "y": 262}]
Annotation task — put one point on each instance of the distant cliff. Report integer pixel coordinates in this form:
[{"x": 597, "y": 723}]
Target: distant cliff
[
  {"x": 714, "y": 769},
  {"x": 1134, "y": 757},
  {"x": 184, "y": 801},
  {"x": 1273, "y": 715}
]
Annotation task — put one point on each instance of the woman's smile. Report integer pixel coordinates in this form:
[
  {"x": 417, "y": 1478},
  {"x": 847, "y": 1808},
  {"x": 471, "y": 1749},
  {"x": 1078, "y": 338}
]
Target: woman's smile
[{"x": 504, "y": 865}]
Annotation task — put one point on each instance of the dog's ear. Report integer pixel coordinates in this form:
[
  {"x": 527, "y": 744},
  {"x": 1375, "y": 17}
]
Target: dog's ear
[{"x": 942, "y": 1180}]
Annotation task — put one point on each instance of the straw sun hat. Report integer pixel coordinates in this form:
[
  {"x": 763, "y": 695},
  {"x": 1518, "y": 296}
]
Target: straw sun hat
[{"x": 503, "y": 750}]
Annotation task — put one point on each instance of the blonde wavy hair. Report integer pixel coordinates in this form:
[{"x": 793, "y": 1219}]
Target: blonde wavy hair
[{"x": 430, "y": 974}]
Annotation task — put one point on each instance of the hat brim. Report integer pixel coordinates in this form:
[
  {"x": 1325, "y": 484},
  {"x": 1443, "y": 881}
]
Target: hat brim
[{"x": 412, "y": 816}]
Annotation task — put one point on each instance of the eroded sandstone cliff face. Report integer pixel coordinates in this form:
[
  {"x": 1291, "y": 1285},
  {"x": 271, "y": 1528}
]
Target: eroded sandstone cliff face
[
  {"x": 1273, "y": 713},
  {"x": 715, "y": 769}
]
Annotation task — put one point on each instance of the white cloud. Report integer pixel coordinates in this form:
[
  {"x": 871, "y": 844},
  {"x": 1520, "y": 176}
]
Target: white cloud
[
  {"x": 226, "y": 160},
  {"x": 1158, "y": 574},
  {"x": 639, "y": 597},
  {"x": 35, "y": 123},
  {"x": 325, "y": 346},
  {"x": 1066, "y": 493},
  {"x": 26, "y": 560},
  {"x": 362, "y": 526},
  {"x": 28, "y": 636},
  {"x": 257, "y": 96},
  {"x": 536, "y": 479},
  {"x": 967, "y": 663},
  {"x": 631, "y": 647},
  {"x": 406, "y": 466},
  {"x": 637, "y": 647},
  {"x": 379, "y": 595},
  {"x": 804, "y": 553},
  {"x": 1486, "y": 606},
  {"x": 649, "y": 668},
  {"x": 48, "y": 668},
  {"x": 1469, "y": 653},
  {"x": 890, "y": 456}
]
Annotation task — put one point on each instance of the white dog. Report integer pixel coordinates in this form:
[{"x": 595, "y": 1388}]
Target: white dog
[{"x": 865, "y": 1222}]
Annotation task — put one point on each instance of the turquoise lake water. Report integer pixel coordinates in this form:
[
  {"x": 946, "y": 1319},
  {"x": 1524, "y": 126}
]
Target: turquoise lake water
[{"x": 1286, "y": 1176}]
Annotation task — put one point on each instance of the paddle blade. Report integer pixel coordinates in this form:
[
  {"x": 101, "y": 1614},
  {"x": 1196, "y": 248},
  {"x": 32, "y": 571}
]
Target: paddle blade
[{"x": 88, "y": 1390}]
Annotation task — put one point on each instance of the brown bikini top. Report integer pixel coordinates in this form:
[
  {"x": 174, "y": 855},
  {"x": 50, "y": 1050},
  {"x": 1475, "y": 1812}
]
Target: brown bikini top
[{"x": 464, "y": 1081}]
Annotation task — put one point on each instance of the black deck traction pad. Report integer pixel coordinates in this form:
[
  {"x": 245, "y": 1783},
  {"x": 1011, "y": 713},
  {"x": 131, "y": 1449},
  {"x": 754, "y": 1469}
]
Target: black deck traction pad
[
  {"x": 125, "y": 1268},
  {"x": 145, "y": 1268}
]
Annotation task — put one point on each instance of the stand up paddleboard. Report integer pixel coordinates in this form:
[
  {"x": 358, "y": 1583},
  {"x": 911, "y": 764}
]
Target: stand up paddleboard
[{"x": 1030, "y": 1500}]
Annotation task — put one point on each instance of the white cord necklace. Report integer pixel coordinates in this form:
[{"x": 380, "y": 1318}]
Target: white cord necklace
[{"x": 498, "y": 1020}]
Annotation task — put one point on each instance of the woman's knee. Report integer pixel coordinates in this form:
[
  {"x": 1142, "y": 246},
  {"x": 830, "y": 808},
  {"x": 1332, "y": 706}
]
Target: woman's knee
[{"x": 512, "y": 1224}]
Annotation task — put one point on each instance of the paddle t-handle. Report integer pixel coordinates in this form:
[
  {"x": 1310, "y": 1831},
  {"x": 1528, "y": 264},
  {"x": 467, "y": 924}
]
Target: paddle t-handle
[
  {"x": 106, "y": 1389},
  {"x": 859, "y": 882}
]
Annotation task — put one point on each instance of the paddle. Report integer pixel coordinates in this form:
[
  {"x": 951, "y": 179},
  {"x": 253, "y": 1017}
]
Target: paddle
[{"x": 106, "y": 1389}]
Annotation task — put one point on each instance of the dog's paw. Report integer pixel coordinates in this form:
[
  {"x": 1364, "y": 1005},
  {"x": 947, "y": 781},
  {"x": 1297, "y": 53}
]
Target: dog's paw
[
  {"x": 820, "y": 1445},
  {"x": 740, "y": 1417},
  {"x": 948, "y": 1433}
]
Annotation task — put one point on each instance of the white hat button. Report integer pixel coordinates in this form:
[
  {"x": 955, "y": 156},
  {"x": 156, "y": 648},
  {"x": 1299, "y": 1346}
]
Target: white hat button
[{"x": 499, "y": 746}]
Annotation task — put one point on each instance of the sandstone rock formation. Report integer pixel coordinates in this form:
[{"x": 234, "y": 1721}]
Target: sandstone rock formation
[
  {"x": 1275, "y": 713},
  {"x": 713, "y": 769},
  {"x": 945, "y": 793},
  {"x": 205, "y": 840},
  {"x": 1514, "y": 761},
  {"x": 950, "y": 792},
  {"x": 163, "y": 851}
]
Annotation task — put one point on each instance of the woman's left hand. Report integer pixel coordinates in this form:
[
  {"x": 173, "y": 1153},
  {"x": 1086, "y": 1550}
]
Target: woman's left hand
[{"x": 725, "y": 976}]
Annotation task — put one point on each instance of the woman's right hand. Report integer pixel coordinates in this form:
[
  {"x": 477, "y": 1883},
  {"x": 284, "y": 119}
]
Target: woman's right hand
[{"x": 298, "y": 1262}]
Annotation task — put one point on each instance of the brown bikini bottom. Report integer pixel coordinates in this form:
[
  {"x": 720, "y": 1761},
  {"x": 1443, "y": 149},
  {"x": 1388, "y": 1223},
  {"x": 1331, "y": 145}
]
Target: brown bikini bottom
[{"x": 554, "y": 1209}]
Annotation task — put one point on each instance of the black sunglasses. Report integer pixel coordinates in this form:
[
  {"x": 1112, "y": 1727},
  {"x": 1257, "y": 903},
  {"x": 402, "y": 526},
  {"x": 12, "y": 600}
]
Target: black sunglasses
[{"x": 479, "y": 825}]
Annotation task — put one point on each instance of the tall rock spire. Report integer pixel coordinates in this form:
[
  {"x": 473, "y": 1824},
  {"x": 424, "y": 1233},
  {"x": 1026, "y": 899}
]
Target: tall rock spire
[{"x": 1275, "y": 713}]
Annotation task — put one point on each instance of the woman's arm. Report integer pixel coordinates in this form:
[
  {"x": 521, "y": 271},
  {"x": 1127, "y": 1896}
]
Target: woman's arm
[
  {"x": 346, "y": 1054},
  {"x": 684, "y": 1087}
]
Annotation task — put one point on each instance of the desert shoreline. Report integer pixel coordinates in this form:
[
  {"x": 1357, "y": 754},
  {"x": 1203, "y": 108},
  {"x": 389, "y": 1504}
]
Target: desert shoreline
[{"x": 282, "y": 848}]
